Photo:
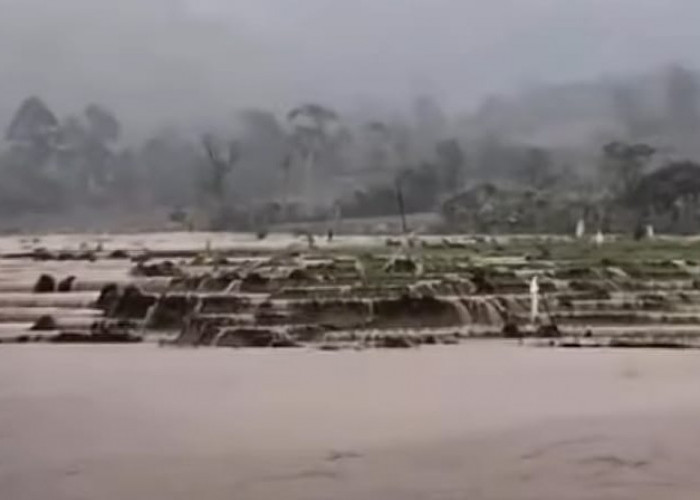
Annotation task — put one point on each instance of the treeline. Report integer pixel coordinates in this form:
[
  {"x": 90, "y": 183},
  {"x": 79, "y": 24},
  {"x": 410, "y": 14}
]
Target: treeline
[
  {"x": 489, "y": 168},
  {"x": 49, "y": 164},
  {"x": 304, "y": 165}
]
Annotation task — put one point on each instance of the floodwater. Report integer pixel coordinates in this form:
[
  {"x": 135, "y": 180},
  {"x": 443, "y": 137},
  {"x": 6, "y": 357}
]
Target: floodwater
[
  {"x": 484, "y": 420},
  {"x": 178, "y": 241}
]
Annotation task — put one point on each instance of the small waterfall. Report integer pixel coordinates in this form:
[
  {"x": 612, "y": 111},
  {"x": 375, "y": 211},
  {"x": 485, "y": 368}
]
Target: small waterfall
[
  {"x": 149, "y": 316},
  {"x": 198, "y": 306},
  {"x": 218, "y": 335},
  {"x": 513, "y": 306},
  {"x": 199, "y": 283},
  {"x": 360, "y": 268},
  {"x": 234, "y": 286},
  {"x": 370, "y": 309},
  {"x": 650, "y": 231},
  {"x": 580, "y": 229},
  {"x": 427, "y": 288},
  {"x": 189, "y": 334},
  {"x": 491, "y": 312},
  {"x": 617, "y": 273},
  {"x": 465, "y": 317}
]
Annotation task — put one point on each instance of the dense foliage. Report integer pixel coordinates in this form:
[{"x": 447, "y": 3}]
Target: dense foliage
[{"x": 315, "y": 163}]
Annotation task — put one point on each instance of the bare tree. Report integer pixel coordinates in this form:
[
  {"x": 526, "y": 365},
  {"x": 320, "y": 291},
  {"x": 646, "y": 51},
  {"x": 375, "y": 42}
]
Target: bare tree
[
  {"x": 221, "y": 159},
  {"x": 33, "y": 122},
  {"x": 624, "y": 165},
  {"x": 309, "y": 140}
]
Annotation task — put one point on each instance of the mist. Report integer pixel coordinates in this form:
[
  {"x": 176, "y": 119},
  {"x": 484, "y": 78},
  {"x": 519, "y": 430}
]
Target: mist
[
  {"x": 267, "y": 111},
  {"x": 156, "y": 61}
]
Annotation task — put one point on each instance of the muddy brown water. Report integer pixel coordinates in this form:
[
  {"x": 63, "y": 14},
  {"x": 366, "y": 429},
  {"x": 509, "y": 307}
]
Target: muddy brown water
[
  {"x": 480, "y": 421},
  {"x": 485, "y": 420}
]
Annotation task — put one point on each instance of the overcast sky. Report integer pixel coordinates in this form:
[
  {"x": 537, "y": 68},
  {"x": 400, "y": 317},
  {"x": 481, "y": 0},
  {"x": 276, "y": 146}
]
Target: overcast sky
[{"x": 160, "y": 60}]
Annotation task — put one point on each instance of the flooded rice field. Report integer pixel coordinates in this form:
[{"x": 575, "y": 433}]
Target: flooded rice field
[
  {"x": 232, "y": 290},
  {"x": 179, "y": 366}
]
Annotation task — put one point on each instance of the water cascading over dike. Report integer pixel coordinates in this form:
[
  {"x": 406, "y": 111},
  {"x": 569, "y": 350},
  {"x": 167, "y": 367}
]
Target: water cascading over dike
[{"x": 263, "y": 297}]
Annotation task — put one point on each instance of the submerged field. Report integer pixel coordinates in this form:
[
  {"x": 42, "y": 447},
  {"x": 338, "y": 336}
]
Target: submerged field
[{"x": 284, "y": 291}]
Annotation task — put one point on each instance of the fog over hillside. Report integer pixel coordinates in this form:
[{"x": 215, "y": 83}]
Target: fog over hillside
[
  {"x": 161, "y": 60},
  {"x": 259, "y": 111}
]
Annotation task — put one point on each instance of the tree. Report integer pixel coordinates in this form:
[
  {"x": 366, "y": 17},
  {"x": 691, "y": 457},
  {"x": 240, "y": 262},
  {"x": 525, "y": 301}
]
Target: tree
[
  {"x": 32, "y": 134},
  {"x": 476, "y": 206},
  {"x": 431, "y": 126},
  {"x": 420, "y": 188},
  {"x": 664, "y": 187},
  {"x": 316, "y": 113},
  {"x": 102, "y": 124},
  {"x": 127, "y": 183},
  {"x": 536, "y": 168},
  {"x": 78, "y": 158},
  {"x": 84, "y": 151},
  {"x": 263, "y": 143},
  {"x": 31, "y": 137},
  {"x": 624, "y": 164},
  {"x": 381, "y": 154},
  {"x": 673, "y": 191},
  {"x": 220, "y": 162},
  {"x": 450, "y": 162},
  {"x": 33, "y": 122},
  {"x": 309, "y": 140}
]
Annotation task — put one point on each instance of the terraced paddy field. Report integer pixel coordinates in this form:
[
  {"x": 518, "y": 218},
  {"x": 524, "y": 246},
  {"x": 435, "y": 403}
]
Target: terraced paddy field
[
  {"x": 353, "y": 292},
  {"x": 363, "y": 368}
]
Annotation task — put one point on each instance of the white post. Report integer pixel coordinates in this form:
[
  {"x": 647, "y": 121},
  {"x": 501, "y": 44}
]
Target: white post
[
  {"x": 650, "y": 231},
  {"x": 534, "y": 301},
  {"x": 599, "y": 238}
]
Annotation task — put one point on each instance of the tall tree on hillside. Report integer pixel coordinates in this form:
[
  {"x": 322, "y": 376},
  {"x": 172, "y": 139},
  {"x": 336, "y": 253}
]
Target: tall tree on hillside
[
  {"x": 168, "y": 155},
  {"x": 32, "y": 133},
  {"x": 85, "y": 153},
  {"x": 430, "y": 126},
  {"x": 309, "y": 140},
  {"x": 674, "y": 190},
  {"x": 662, "y": 188},
  {"x": 394, "y": 139},
  {"x": 451, "y": 163},
  {"x": 624, "y": 165},
  {"x": 261, "y": 129},
  {"x": 33, "y": 122},
  {"x": 102, "y": 123},
  {"x": 220, "y": 161},
  {"x": 381, "y": 154},
  {"x": 263, "y": 143},
  {"x": 104, "y": 130},
  {"x": 72, "y": 142},
  {"x": 537, "y": 168}
]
